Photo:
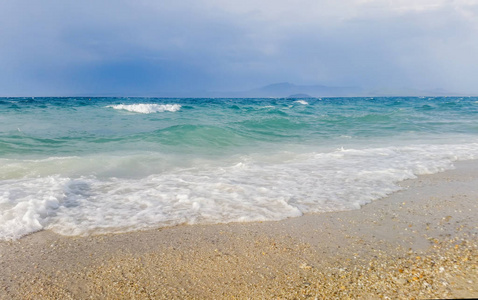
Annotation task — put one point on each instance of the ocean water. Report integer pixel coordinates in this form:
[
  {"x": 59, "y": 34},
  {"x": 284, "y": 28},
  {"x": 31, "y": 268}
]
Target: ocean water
[{"x": 80, "y": 166}]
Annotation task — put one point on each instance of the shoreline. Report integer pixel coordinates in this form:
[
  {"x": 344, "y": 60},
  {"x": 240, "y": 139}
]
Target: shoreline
[{"x": 416, "y": 243}]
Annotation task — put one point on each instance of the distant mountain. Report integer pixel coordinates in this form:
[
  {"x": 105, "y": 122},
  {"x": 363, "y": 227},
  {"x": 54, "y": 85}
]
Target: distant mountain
[
  {"x": 295, "y": 96},
  {"x": 286, "y": 89}
]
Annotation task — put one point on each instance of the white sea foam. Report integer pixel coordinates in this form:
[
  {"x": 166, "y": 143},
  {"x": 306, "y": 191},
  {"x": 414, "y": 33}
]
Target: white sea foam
[
  {"x": 252, "y": 188},
  {"x": 146, "y": 108},
  {"x": 303, "y": 102}
]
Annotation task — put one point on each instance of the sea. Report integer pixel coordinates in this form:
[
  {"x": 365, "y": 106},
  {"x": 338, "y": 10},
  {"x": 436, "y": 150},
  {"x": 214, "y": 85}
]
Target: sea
[{"x": 83, "y": 166}]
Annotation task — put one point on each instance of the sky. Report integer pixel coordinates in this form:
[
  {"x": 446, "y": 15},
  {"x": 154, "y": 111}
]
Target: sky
[{"x": 190, "y": 47}]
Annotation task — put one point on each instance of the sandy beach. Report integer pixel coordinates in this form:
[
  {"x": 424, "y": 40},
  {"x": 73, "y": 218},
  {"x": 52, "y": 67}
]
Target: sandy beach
[{"x": 420, "y": 242}]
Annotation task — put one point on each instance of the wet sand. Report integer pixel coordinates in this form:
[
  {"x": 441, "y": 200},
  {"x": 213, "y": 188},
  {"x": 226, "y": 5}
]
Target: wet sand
[{"x": 421, "y": 242}]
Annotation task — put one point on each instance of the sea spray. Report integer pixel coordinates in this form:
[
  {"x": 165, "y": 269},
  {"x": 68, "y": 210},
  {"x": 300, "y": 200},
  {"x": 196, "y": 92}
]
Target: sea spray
[{"x": 146, "y": 108}]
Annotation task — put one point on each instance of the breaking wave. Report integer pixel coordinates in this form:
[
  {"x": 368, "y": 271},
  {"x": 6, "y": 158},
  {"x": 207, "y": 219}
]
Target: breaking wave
[{"x": 145, "y": 108}]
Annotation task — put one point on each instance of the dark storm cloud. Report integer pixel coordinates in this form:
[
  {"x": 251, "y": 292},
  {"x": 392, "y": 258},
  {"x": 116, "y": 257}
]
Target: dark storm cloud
[{"x": 166, "y": 47}]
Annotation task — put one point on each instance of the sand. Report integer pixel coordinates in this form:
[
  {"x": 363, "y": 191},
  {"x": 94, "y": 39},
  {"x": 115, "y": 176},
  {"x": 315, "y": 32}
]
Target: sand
[{"x": 420, "y": 242}]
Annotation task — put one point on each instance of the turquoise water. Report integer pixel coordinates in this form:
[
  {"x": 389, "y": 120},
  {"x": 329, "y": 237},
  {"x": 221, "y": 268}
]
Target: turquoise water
[{"x": 93, "y": 165}]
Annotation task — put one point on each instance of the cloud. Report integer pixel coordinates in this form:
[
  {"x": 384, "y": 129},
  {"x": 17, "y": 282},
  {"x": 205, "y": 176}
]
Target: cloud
[{"x": 150, "y": 47}]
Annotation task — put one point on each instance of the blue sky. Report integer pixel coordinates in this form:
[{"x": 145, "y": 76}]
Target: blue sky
[{"x": 183, "y": 47}]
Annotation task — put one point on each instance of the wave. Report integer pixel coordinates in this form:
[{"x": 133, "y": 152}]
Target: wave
[
  {"x": 303, "y": 102},
  {"x": 147, "y": 108},
  {"x": 250, "y": 188}
]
